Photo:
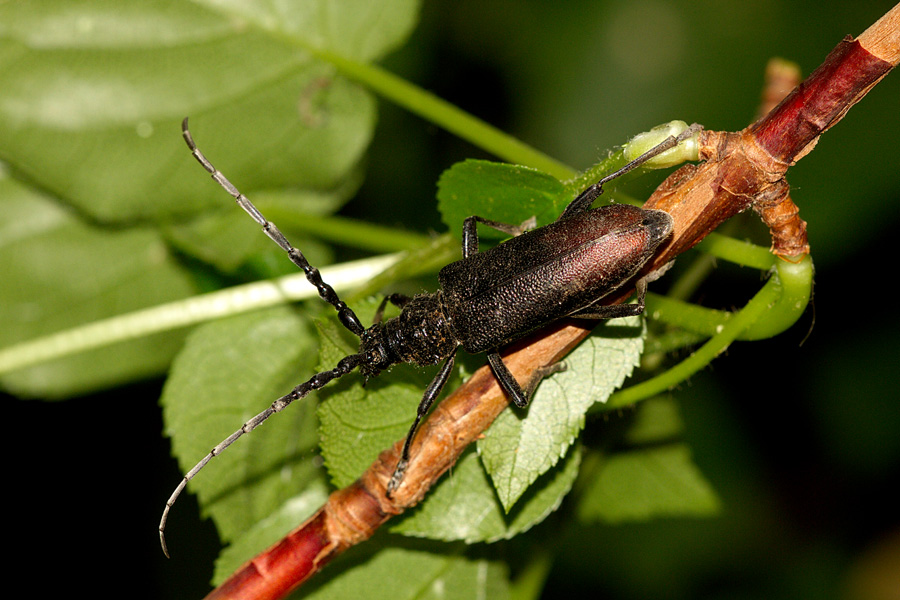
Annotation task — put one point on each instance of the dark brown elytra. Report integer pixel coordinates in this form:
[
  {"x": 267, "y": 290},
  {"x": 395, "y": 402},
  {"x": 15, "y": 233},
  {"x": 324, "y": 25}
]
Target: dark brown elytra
[{"x": 486, "y": 300}]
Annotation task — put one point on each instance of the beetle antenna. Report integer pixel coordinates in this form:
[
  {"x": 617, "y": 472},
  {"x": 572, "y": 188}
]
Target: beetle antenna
[
  {"x": 317, "y": 381},
  {"x": 345, "y": 314},
  {"x": 667, "y": 144}
]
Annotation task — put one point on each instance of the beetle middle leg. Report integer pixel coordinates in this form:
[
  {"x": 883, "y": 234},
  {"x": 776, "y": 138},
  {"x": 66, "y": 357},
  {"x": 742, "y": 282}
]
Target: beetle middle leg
[
  {"x": 470, "y": 233},
  {"x": 519, "y": 396}
]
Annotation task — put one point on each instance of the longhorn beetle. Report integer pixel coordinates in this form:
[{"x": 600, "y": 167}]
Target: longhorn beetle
[{"x": 486, "y": 300}]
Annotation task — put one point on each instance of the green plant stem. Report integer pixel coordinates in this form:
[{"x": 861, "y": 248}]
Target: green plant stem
[
  {"x": 738, "y": 252},
  {"x": 350, "y": 232},
  {"x": 189, "y": 311},
  {"x": 795, "y": 281},
  {"x": 445, "y": 115},
  {"x": 782, "y": 300},
  {"x": 703, "y": 356}
]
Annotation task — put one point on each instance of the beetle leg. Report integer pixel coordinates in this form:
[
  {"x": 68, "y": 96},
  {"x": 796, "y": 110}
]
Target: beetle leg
[
  {"x": 432, "y": 392},
  {"x": 539, "y": 374},
  {"x": 507, "y": 381},
  {"x": 470, "y": 233},
  {"x": 520, "y": 397},
  {"x": 583, "y": 201},
  {"x": 616, "y": 311},
  {"x": 398, "y": 300}
]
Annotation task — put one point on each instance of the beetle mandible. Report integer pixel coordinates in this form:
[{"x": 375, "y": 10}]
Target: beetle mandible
[{"x": 486, "y": 300}]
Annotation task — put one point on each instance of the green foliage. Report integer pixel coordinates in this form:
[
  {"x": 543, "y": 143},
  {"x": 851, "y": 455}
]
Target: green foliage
[
  {"x": 92, "y": 99},
  {"x": 103, "y": 213},
  {"x": 651, "y": 477},
  {"x": 413, "y": 570},
  {"x": 60, "y": 271}
]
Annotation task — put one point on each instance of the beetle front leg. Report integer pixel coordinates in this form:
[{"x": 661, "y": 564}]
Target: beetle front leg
[
  {"x": 398, "y": 300},
  {"x": 585, "y": 199},
  {"x": 432, "y": 392},
  {"x": 470, "y": 232}
]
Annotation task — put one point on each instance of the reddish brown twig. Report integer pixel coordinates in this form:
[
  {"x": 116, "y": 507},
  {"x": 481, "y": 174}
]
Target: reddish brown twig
[
  {"x": 353, "y": 514},
  {"x": 741, "y": 170},
  {"x": 747, "y": 168}
]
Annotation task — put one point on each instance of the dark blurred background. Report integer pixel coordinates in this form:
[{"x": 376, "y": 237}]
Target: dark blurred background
[{"x": 801, "y": 440}]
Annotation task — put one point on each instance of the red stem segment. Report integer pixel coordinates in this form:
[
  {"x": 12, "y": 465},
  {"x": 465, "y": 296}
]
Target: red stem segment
[
  {"x": 349, "y": 517},
  {"x": 791, "y": 130}
]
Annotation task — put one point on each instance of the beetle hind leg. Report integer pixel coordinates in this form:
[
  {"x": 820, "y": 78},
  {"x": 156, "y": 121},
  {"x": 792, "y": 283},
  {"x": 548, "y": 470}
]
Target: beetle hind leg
[{"x": 520, "y": 397}]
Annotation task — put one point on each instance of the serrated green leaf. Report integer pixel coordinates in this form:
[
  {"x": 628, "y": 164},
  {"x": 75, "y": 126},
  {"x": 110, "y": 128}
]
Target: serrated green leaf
[
  {"x": 358, "y": 422},
  {"x": 412, "y": 570},
  {"x": 59, "y": 272},
  {"x": 464, "y": 505},
  {"x": 228, "y": 371},
  {"x": 499, "y": 191},
  {"x": 641, "y": 484},
  {"x": 519, "y": 448}
]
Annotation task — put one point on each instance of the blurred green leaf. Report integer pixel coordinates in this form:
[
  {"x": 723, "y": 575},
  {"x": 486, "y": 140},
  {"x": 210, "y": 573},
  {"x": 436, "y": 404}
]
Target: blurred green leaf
[
  {"x": 412, "y": 570},
  {"x": 228, "y": 241},
  {"x": 90, "y": 108},
  {"x": 647, "y": 483},
  {"x": 649, "y": 473},
  {"x": 59, "y": 272},
  {"x": 94, "y": 93}
]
